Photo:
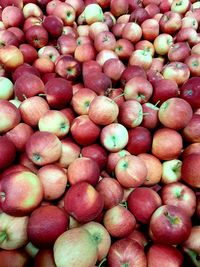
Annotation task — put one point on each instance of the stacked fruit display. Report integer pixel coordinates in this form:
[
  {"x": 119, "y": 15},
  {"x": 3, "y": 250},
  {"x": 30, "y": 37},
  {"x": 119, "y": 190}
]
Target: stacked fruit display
[{"x": 99, "y": 133}]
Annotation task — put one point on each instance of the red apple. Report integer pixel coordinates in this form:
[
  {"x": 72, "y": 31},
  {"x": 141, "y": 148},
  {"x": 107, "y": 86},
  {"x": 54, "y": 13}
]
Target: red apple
[
  {"x": 179, "y": 51},
  {"x": 20, "y": 202},
  {"x": 24, "y": 69},
  {"x": 104, "y": 40},
  {"x": 83, "y": 202},
  {"x": 132, "y": 31},
  {"x": 114, "y": 68},
  {"x": 65, "y": 12},
  {"x": 190, "y": 91},
  {"x": 45, "y": 225},
  {"x": 170, "y": 22},
  {"x": 130, "y": 72},
  {"x": 29, "y": 53},
  {"x": 170, "y": 225},
  {"x": 150, "y": 115},
  {"x": 191, "y": 131},
  {"x": 8, "y": 38},
  {"x": 44, "y": 258},
  {"x": 150, "y": 29},
  {"x": 113, "y": 158},
  {"x": 54, "y": 181},
  {"x": 18, "y": 256},
  {"x": 53, "y": 25},
  {"x": 123, "y": 48},
  {"x": 119, "y": 221},
  {"x": 193, "y": 62},
  {"x": 142, "y": 202},
  {"x": 43, "y": 148},
  {"x": 37, "y": 36},
  {"x": 139, "y": 15},
  {"x": 8, "y": 152},
  {"x": 166, "y": 144}
]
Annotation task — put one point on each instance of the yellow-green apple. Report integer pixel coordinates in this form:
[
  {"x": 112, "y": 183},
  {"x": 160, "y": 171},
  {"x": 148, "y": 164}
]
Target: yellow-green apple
[
  {"x": 142, "y": 202},
  {"x": 131, "y": 171},
  {"x": 70, "y": 152},
  {"x": 32, "y": 10},
  {"x": 104, "y": 116},
  {"x": 163, "y": 90},
  {"x": 44, "y": 258},
  {"x": 170, "y": 22},
  {"x": 119, "y": 221},
  {"x": 68, "y": 67},
  {"x": 142, "y": 58},
  {"x": 65, "y": 12},
  {"x": 11, "y": 57},
  {"x": 177, "y": 71},
  {"x": 189, "y": 21},
  {"x": 165, "y": 255},
  {"x": 150, "y": 115},
  {"x": 45, "y": 225},
  {"x": 138, "y": 88},
  {"x": 13, "y": 231},
  {"x": 192, "y": 130},
  {"x": 83, "y": 202},
  {"x": 190, "y": 92},
  {"x": 180, "y": 6},
  {"x": 150, "y": 29},
  {"x": 139, "y": 141},
  {"x": 171, "y": 171},
  {"x": 19, "y": 135},
  {"x": 123, "y": 48},
  {"x": 101, "y": 236},
  {"x": 54, "y": 25},
  {"x": 29, "y": 53},
  {"x": 162, "y": 43},
  {"x": 28, "y": 85},
  {"x": 114, "y": 137},
  {"x": 193, "y": 62},
  {"x": 17, "y": 256},
  {"x": 8, "y": 152},
  {"x": 20, "y": 202},
  {"x": 43, "y": 148},
  {"x": 175, "y": 113},
  {"x": 169, "y": 225},
  {"x": 111, "y": 191},
  {"x": 130, "y": 72},
  {"x": 10, "y": 116},
  {"x": 189, "y": 170},
  {"x": 54, "y": 181},
  {"x": 93, "y": 13},
  {"x": 73, "y": 244},
  {"x": 83, "y": 170},
  {"x": 113, "y": 158},
  {"x": 84, "y": 131},
  {"x": 81, "y": 100},
  {"x": 32, "y": 109},
  {"x": 126, "y": 251},
  {"x": 154, "y": 169},
  {"x": 167, "y": 144},
  {"x": 179, "y": 195},
  {"x": 179, "y": 51},
  {"x": 12, "y": 16},
  {"x": 97, "y": 153},
  {"x": 54, "y": 121}
]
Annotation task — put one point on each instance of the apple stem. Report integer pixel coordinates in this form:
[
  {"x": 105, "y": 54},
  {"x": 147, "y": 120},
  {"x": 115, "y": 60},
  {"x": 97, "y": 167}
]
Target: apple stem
[
  {"x": 118, "y": 96},
  {"x": 41, "y": 95},
  {"x": 124, "y": 204},
  {"x": 177, "y": 166},
  {"x": 172, "y": 219},
  {"x": 24, "y": 96},
  {"x": 3, "y": 236},
  {"x": 156, "y": 104},
  {"x": 101, "y": 263}
]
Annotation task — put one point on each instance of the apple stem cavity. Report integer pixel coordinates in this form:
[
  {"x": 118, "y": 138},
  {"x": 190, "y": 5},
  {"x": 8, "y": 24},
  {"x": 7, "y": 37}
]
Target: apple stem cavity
[
  {"x": 172, "y": 219},
  {"x": 36, "y": 157},
  {"x": 124, "y": 204}
]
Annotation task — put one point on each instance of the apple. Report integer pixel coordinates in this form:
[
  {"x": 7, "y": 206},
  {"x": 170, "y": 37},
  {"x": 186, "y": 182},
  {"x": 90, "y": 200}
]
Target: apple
[
  {"x": 175, "y": 113},
  {"x": 12, "y": 16},
  {"x": 176, "y": 71},
  {"x": 180, "y": 6},
  {"x": 14, "y": 168},
  {"x": 93, "y": 13},
  {"x": 142, "y": 202},
  {"x": 44, "y": 258},
  {"x": 188, "y": 34},
  {"x": 74, "y": 243},
  {"x": 70, "y": 151},
  {"x": 195, "y": 49},
  {"x": 179, "y": 51},
  {"x": 97, "y": 153},
  {"x": 104, "y": 55},
  {"x": 139, "y": 141},
  {"x": 170, "y": 22},
  {"x": 83, "y": 202},
  {"x": 189, "y": 170},
  {"x": 8, "y": 154},
  {"x": 26, "y": 162},
  {"x": 159, "y": 254},
  {"x": 190, "y": 132},
  {"x": 167, "y": 144},
  {"x": 43, "y": 148},
  {"x": 18, "y": 256},
  {"x": 85, "y": 52},
  {"x": 83, "y": 169},
  {"x": 113, "y": 158},
  {"x": 162, "y": 43},
  {"x": 65, "y": 12},
  {"x": 113, "y": 68},
  {"x": 139, "y": 15},
  {"x": 150, "y": 115},
  {"x": 11, "y": 57},
  {"x": 111, "y": 191},
  {"x": 37, "y": 36},
  {"x": 126, "y": 251},
  {"x": 152, "y": 9},
  {"x": 84, "y": 131},
  {"x": 131, "y": 171},
  {"x": 169, "y": 225},
  {"x": 54, "y": 25},
  {"x": 123, "y": 48},
  {"x": 171, "y": 171},
  {"x": 114, "y": 137},
  {"x": 104, "y": 40},
  {"x": 101, "y": 237},
  {"x": 66, "y": 44},
  {"x": 164, "y": 89},
  {"x": 145, "y": 45},
  {"x": 29, "y": 53},
  {"x": 150, "y": 29},
  {"x": 130, "y": 72},
  {"x": 179, "y": 195},
  {"x": 13, "y": 231},
  {"x": 132, "y": 31},
  {"x": 157, "y": 64},
  {"x": 8, "y": 38},
  {"x": 193, "y": 148},
  {"x": 119, "y": 221},
  {"x": 31, "y": 9},
  {"x": 193, "y": 62},
  {"x": 10, "y": 116},
  {"x": 142, "y": 58},
  {"x": 25, "y": 68},
  {"x": 154, "y": 169},
  {"x": 54, "y": 181},
  {"x": 44, "y": 65},
  {"x": 17, "y": 3},
  {"x": 190, "y": 91},
  {"x": 7, "y": 85},
  {"x": 20, "y": 203},
  {"x": 96, "y": 28},
  {"x": 31, "y": 21},
  {"x": 43, "y": 229},
  {"x": 189, "y": 21}
]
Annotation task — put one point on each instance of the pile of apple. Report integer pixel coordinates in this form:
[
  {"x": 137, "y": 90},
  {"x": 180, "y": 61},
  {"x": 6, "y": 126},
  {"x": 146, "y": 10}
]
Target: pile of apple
[{"x": 99, "y": 133}]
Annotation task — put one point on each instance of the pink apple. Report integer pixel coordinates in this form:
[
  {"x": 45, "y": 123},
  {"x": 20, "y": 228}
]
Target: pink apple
[
  {"x": 150, "y": 29},
  {"x": 170, "y": 22},
  {"x": 113, "y": 68},
  {"x": 12, "y": 16},
  {"x": 179, "y": 51},
  {"x": 104, "y": 40},
  {"x": 65, "y": 12},
  {"x": 85, "y": 52},
  {"x": 132, "y": 31},
  {"x": 43, "y": 148}
]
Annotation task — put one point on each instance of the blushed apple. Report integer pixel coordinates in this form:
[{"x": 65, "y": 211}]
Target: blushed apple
[
  {"x": 171, "y": 171},
  {"x": 8, "y": 152}
]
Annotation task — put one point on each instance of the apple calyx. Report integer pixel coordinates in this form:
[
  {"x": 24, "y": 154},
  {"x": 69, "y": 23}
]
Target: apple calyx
[
  {"x": 3, "y": 236},
  {"x": 36, "y": 157},
  {"x": 174, "y": 220},
  {"x": 124, "y": 204}
]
